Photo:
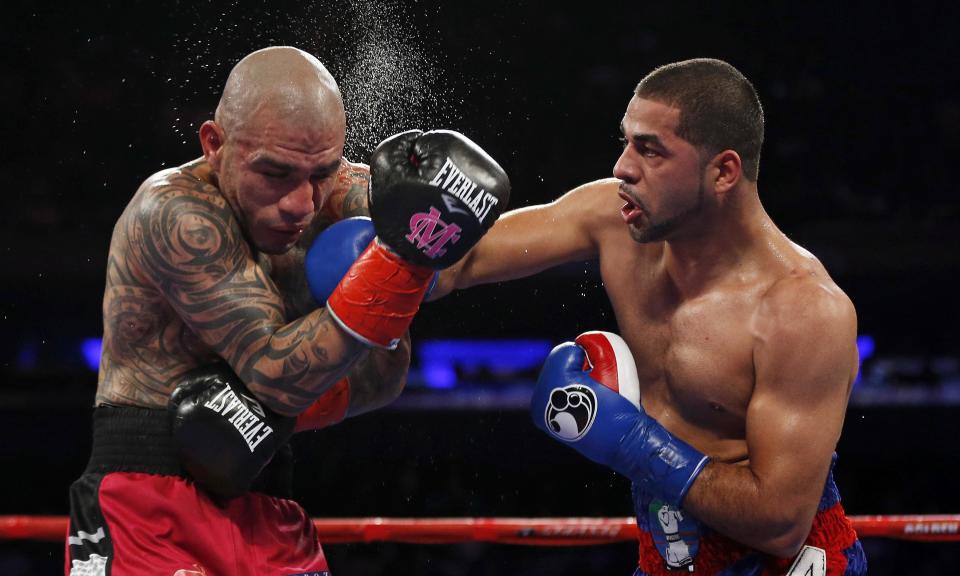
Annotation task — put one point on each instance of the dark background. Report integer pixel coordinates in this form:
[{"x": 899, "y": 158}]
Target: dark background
[{"x": 859, "y": 164}]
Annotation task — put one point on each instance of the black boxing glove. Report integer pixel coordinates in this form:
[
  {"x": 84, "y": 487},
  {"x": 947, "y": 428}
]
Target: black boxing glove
[
  {"x": 224, "y": 437},
  {"x": 433, "y": 195}
]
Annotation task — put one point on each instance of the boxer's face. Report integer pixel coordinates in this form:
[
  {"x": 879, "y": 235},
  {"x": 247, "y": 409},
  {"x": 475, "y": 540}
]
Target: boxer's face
[
  {"x": 661, "y": 174},
  {"x": 278, "y": 174}
]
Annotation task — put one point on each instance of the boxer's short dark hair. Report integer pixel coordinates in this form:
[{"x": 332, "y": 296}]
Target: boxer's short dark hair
[{"x": 719, "y": 108}]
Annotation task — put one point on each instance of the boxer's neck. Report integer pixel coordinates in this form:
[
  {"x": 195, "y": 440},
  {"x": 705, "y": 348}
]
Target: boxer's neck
[{"x": 725, "y": 242}]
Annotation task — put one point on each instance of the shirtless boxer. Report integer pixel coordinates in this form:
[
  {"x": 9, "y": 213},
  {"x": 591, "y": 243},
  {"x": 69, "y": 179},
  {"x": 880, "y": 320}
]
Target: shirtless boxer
[
  {"x": 745, "y": 348},
  {"x": 189, "y": 284}
]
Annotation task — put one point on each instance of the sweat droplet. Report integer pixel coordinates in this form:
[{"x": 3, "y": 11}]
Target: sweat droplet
[
  {"x": 390, "y": 81},
  {"x": 390, "y": 77}
]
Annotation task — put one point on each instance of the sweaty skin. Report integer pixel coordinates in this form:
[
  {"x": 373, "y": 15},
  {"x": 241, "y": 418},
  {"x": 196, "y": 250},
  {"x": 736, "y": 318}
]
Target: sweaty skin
[
  {"x": 206, "y": 260},
  {"x": 745, "y": 348}
]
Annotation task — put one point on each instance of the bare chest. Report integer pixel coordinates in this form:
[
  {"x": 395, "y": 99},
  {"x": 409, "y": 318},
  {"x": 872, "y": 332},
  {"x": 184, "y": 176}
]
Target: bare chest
[{"x": 694, "y": 356}]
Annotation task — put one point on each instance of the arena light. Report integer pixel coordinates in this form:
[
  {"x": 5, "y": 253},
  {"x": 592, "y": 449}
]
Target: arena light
[
  {"x": 27, "y": 355},
  {"x": 866, "y": 346},
  {"x": 90, "y": 348},
  {"x": 440, "y": 359}
]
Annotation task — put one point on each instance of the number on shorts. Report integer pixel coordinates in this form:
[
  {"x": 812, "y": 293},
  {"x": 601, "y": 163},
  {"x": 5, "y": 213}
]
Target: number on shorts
[{"x": 811, "y": 561}]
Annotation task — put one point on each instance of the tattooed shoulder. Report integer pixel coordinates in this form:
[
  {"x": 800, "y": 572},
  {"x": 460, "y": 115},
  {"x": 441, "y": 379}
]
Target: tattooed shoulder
[
  {"x": 349, "y": 196},
  {"x": 355, "y": 201},
  {"x": 183, "y": 228}
]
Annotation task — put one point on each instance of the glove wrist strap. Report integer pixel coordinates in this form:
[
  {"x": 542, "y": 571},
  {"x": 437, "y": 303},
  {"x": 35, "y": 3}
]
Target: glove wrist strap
[
  {"x": 376, "y": 300},
  {"x": 663, "y": 464}
]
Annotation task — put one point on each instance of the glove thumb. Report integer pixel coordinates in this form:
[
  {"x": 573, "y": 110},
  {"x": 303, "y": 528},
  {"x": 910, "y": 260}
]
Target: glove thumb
[{"x": 610, "y": 363}]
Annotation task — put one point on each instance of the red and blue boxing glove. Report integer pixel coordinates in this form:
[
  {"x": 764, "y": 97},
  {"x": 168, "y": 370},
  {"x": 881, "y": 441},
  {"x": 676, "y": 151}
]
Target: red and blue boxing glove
[
  {"x": 334, "y": 252},
  {"x": 331, "y": 255},
  {"x": 587, "y": 396}
]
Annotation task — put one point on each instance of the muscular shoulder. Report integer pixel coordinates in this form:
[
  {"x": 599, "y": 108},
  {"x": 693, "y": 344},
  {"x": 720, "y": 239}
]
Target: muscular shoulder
[
  {"x": 179, "y": 223},
  {"x": 806, "y": 308},
  {"x": 189, "y": 181},
  {"x": 805, "y": 348},
  {"x": 349, "y": 195},
  {"x": 355, "y": 169}
]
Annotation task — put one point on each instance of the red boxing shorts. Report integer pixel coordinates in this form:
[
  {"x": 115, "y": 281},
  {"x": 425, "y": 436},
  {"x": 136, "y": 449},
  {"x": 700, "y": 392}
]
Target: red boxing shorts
[
  {"x": 672, "y": 542},
  {"x": 132, "y": 512}
]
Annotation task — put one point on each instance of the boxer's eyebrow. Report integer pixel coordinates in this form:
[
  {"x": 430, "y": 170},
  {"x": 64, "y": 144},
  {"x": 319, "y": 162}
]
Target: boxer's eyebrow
[
  {"x": 329, "y": 168},
  {"x": 644, "y": 138},
  {"x": 648, "y": 139},
  {"x": 272, "y": 163},
  {"x": 263, "y": 161}
]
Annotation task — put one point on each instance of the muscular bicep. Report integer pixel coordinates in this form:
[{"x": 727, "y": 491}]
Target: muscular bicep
[
  {"x": 190, "y": 246},
  {"x": 193, "y": 251},
  {"x": 805, "y": 361},
  {"x": 530, "y": 240}
]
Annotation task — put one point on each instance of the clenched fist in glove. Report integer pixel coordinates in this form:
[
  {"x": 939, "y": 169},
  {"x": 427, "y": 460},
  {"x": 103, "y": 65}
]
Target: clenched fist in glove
[{"x": 587, "y": 397}]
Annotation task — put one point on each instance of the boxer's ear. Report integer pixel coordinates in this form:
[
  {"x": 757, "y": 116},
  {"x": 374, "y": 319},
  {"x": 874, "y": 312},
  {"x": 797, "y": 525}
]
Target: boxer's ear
[
  {"x": 724, "y": 171},
  {"x": 212, "y": 140}
]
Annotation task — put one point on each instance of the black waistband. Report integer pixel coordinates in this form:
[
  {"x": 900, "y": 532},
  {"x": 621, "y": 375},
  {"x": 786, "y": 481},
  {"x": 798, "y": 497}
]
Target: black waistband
[
  {"x": 132, "y": 439},
  {"x": 135, "y": 439}
]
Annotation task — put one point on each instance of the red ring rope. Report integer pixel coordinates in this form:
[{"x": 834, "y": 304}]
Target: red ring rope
[{"x": 529, "y": 531}]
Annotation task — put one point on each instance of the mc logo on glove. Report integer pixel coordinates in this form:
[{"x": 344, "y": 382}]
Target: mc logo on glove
[{"x": 424, "y": 233}]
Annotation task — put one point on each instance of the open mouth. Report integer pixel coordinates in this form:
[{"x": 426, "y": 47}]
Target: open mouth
[{"x": 631, "y": 210}]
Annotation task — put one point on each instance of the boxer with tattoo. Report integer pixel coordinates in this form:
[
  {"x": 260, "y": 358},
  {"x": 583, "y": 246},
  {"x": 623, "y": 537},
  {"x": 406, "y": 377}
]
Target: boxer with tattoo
[{"x": 215, "y": 351}]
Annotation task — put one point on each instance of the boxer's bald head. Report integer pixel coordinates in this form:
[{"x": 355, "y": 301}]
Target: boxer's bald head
[
  {"x": 280, "y": 82},
  {"x": 276, "y": 143}
]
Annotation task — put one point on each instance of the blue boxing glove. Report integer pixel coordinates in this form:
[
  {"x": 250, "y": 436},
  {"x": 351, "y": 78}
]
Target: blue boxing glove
[
  {"x": 334, "y": 251},
  {"x": 587, "y": 397}
]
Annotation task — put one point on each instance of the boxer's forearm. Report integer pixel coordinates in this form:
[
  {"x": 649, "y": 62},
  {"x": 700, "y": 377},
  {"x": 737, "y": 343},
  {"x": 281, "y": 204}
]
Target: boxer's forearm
[
  {"x": 376, "y": 379},
  {"x": 735, "y": 502},
  {"x": 298, "y": 362},
  {"x": 379, "y": 378},
  {"x": 529, "y": 240}
]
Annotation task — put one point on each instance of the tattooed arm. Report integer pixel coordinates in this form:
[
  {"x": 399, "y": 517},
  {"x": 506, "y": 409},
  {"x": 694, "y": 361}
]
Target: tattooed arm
[
  {"x": 187, "y": 241},
  {"x": 378, "y": 379}
]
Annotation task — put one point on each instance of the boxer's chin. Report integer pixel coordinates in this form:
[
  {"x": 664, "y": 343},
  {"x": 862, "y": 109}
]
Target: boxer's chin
[
  {"x": 275, "y": 242},
  {"x": 274, "y": 249}
]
